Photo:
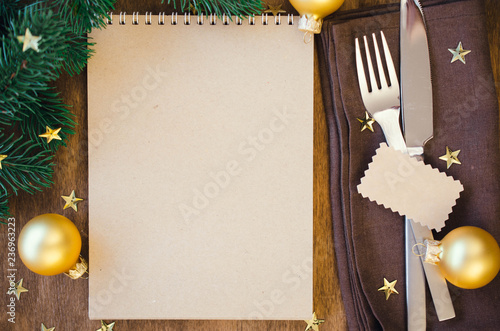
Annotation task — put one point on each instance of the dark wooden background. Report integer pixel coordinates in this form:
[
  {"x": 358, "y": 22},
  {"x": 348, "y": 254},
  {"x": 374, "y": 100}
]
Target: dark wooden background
[{"x": 60, "y": 302}]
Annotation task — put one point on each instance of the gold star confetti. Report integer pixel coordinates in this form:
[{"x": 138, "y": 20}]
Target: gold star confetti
[
  {"x": 17, "y": 289},
  {"x": 389, "y": 288},
  {"x": 44, "y": 328},
  {"x": 450, "y": 157},
  {"x": 192, "y": 9},
  {"x": 106, "y": 327},
  {"x": 313, "y": 324},
  {"x": 71, "y": 201},
  {"x": 29, "y": 41},
  {"x": 275, "y": 10},
  {"x": 367, "y": 122},
  {"x": 2, "y": 157},
  {"x": 459, "y": 53},
  {"x": 51, "y": 134}
]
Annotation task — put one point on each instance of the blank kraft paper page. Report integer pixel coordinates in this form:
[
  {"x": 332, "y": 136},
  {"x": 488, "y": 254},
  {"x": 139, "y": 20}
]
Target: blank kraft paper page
[{"x": 200, "y": 171}]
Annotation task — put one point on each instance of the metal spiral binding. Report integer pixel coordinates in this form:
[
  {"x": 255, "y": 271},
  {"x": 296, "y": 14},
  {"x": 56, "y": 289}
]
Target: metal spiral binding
[
  {"x": 212, "y": 19},
  {"x": 187, "y": 18},
  {"x": 225, "y": 19},
  {"x": 123, "y": 15},
  {"x": 277, "y": 19},
  {"x": 110, "y": 20},
  {"x": 200, "y": 20},
  {"x": 263, "y": 19}
]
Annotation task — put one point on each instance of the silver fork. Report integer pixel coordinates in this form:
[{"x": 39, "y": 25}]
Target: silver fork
[{"x": 382, "y": 103}]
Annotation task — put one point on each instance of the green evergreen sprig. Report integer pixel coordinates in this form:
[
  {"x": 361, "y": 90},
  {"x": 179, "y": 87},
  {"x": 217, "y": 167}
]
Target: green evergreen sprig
[
  {"x": 28, "y": 101},
  {"x": 81, "y": 14},
  {"x": 238, "y": 8},
  {"x": 27, "y": 167},
  {"x": 4, "y": 207}
]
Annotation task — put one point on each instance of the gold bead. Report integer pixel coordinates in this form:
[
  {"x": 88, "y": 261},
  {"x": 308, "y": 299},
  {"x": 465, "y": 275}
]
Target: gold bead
[
  {"x": 470, "y": 257},
  {"x": 49, "y": 244}
]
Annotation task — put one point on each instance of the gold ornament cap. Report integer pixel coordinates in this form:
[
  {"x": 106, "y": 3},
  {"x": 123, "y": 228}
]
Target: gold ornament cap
[
  {"x": 79, "y": 269},
  {"x": 307, "y": 23},
  {"x": 432, "y": 251}
]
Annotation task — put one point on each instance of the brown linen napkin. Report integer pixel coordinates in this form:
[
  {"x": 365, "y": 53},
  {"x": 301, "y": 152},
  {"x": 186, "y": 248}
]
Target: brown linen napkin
[{"x": 369, "y": 240}]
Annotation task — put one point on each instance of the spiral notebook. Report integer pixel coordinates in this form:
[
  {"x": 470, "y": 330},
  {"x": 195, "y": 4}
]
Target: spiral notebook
[{"x": 200, "y": 169}]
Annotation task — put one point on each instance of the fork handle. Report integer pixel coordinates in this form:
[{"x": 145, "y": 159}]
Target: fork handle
[{"x": 388, "y": 120}]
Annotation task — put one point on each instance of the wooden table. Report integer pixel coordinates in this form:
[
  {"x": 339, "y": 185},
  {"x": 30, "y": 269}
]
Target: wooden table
[{"x": 61, "y": 302}]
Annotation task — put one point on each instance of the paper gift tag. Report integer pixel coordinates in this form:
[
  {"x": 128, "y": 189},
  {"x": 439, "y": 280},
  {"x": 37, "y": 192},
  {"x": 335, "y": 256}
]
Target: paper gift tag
[{"x": 410, "y": 187}]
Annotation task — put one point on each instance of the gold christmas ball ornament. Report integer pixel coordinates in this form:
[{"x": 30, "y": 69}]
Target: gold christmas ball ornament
[
  {"x": 49, "y": 244},
  {"x": 312, "y": 13},
  {"x": 469, "y": 257}
]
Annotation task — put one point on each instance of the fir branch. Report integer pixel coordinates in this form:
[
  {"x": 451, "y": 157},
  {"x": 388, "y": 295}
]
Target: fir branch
[
  {"x": 76, "y": 54},
  {"x": 231, "y": 8},
  {"x": 28, "y": 102},
  {"x": 84, "y": 15},
  {"x": 27, "y": 166},
  {"x": 24, "y": 76},
  {"x": 4, "y": 208},
  {"x": 54, "y": 114},
  {"x": 7, "y": 10}
]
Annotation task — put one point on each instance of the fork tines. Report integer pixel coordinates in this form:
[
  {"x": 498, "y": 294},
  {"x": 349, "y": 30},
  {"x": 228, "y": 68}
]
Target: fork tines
[{"x": 390, "y": 66}]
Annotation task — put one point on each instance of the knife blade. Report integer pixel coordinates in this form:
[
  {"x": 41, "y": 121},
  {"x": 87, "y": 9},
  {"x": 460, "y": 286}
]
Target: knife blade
[
  {"x": 416, "y": 89},
  {"x": 417, "y": 114}
]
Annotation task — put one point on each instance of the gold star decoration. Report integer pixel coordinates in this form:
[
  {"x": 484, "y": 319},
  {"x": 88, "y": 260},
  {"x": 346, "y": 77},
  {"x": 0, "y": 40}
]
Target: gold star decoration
[
  {"x": 29, "y": 41},
  {"x": 367, "y": 122},
  {"x": 275, "y": 10},
  {"x": 44, "y": 328},
  {"x": 313, "y": 324},
  {"x": 450, "y": 157},
  {"x": 51, "y": 134},
  {"x": 17, "y": 289},
  {"x": 389, "y": 288},
  {"x": 106, "y": 327},
  {"x": 71, "y": 201},
  {"x": 2, "y": 157},
  {"x": 192, "y": 9},
  {"x": 459, "y": 53}
]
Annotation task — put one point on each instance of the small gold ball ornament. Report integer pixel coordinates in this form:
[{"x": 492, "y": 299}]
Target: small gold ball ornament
[
  {"x": 312, "y": 13},
  {"x": 49, "y": 244},
  {"x": 469, "y": 257}
]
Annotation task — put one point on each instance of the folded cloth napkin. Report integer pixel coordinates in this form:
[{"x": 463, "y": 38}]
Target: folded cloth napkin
[{"x": 369, "y": 240}]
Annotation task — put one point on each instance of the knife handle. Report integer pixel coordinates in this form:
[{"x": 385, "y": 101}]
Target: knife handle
[
  {"x": 415, "y": 284},
  {"x": 437, "y": 283},
  {"x": 388, "y": 120}
]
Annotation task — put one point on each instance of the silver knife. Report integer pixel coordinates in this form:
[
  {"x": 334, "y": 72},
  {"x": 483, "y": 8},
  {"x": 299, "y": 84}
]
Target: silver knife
[{"x": 417, "y": 110}]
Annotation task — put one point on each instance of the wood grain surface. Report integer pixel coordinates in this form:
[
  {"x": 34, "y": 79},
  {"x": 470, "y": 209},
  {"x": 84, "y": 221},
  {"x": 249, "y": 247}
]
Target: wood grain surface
[{"x": 60, "y": 302}]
